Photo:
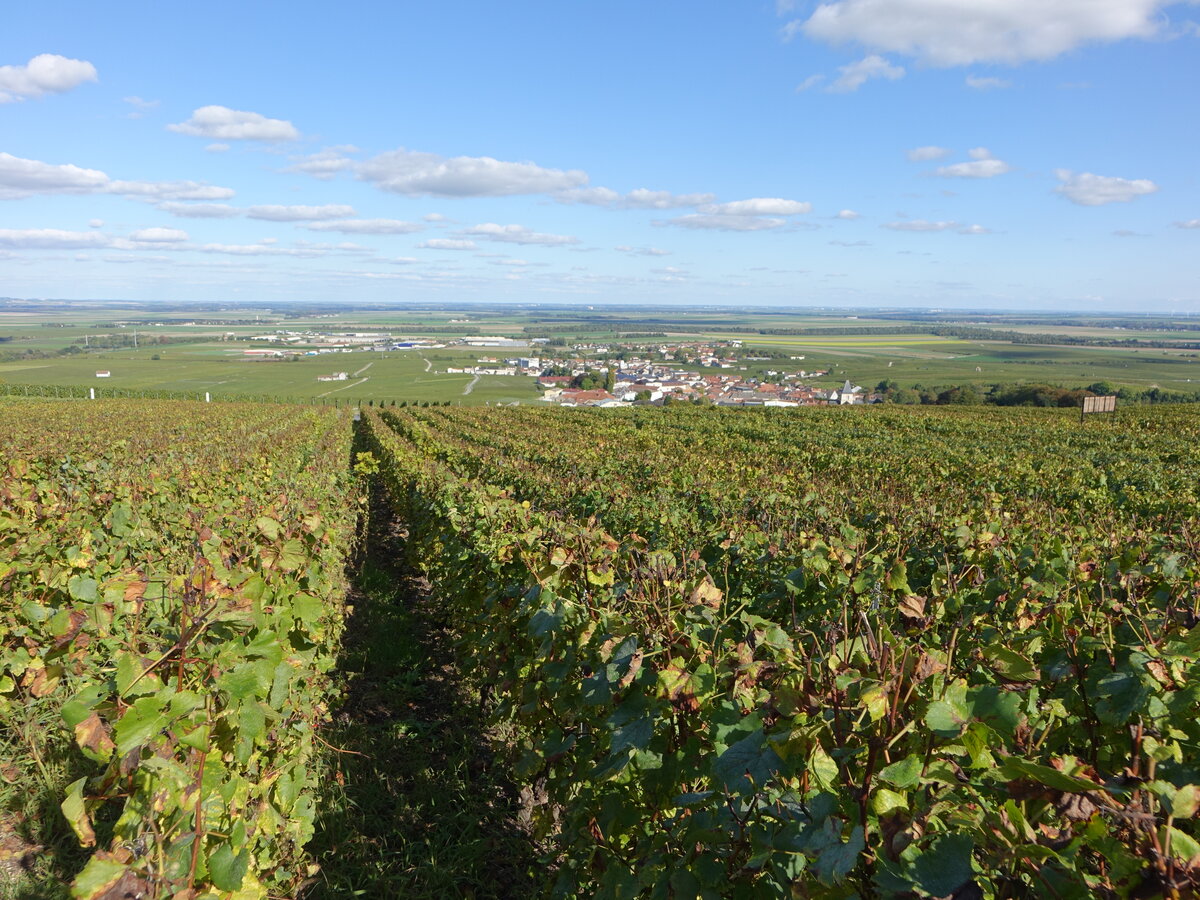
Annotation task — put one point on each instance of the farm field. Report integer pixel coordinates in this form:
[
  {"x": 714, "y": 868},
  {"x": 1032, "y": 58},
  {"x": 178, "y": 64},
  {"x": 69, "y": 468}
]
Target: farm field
[
  {"x": 719, "y": 653},
  {"x": 211, "y": 360},
  {"x": 213, "y": 368}
]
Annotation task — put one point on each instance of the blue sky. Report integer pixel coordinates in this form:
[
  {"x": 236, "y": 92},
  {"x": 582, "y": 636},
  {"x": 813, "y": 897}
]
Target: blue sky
[{"x": 947, "y": 153}]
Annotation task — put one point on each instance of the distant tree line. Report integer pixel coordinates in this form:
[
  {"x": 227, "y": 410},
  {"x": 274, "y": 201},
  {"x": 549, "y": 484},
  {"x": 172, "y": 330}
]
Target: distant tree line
[
  {"x": 124, "y": 340},
  {"x": 1036, "y": 394}
]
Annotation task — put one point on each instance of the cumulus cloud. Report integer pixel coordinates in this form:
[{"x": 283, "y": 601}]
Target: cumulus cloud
[
  {"x": 979, "y": 83},
  {"x": 418, "y": 174},
  {"x": 758, "y": 206},
  {"x": 159, "y": 236},
  {"x": 21, "y": 178},
  {"x": 300, "y": 213},
  {"x": 368, "y": 226},
  {"x": 963, "y": 32},
  {"x": 982, "y": 165},
  {"x": 46, "y": 73},
  {"x": 640, "y": 198},
  {"x": 224, "y": 124},
  {"x": 1190, "y": 223},
  {"x": 51, "y": 239},
  {"x": 95, "y": 223},
  {"x": 1086, "y": 189},
  {"x": 200, "y": 210},
  {"x": 849, "y": 215},
  {"x": 324, "y": 164},
  {"x": 927, "y": 154},
  {"x": 169, "y": 190},
  {"x": 921, "y": 225},
  {"x": 517, "y": 234},
  {"x": 724, "y": 223},
  {"x": 446, "y": 244},
  {"x": 809, "y": 83},
  {"x": 857, "y": 74},
  {"x": 642, "y": 251},
  {"x": 25, "y": 177}
]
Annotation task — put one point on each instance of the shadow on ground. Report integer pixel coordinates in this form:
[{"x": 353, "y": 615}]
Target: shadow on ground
[{"x": 414, "y": 806}]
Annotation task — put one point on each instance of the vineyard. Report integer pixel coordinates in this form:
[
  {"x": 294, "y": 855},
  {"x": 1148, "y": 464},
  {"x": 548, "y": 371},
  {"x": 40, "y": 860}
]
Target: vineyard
[{"x": 752, "y": 653}]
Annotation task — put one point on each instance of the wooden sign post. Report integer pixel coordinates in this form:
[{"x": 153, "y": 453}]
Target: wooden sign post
[{"x": 1097, "y": 405}]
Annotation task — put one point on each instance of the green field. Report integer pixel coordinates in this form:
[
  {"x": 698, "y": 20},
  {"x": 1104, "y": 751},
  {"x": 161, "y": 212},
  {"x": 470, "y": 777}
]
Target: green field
[{"x": 215, "y": 362}]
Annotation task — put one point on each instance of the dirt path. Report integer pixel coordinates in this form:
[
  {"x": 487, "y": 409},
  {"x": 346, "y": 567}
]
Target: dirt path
[
  {"x": 470, "y": 385},
  {"x": 363, "y": 369},
  {"x": 345, "y": 387},
  {"x": 416, "y": 806}
]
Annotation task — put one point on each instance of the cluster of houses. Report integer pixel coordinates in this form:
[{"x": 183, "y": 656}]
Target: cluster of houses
[{"x": 715, "y": 389}]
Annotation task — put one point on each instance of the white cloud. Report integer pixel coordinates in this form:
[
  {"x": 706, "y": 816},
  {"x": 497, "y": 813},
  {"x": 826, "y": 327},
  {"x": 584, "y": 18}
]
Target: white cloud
[
  {"x": 264, "y": 248},
  {"x": 95, "y": 223},
  {"x": 368, "y": 226},
  {"x": 224, "y": 124},
  {"x": 46, "y": 73},
  {"x": 926, "y": 154},
  {"x": 517, "y": 234},
  {"x": 982, "y": 165},
  {"x": 25, "y": 177},
  {"x": 987, "y": 84},
  {"x": 962, "y": 32},
  {"x": 325, "y": 163},
  {"x": 446, "y": 244},
  {"x": 159, "y": 235},
  {"x": 809, "y": 83},
  {"x": 216, "y": 148},
  {"x": 200, "y": 210},
  {"x": 417, "y": 174},
  {"x": 724, "y": 223},
  {"x": 435, "y": 217},
  {"x": 1086, "y": 189},
  {"x": 51, "y": 239},
  {"x": 169, "y": 190},
  {"x": 1190, "y": 223},
  {"x": 849, "y": 214},
  {"x": 300, "y": 213},
  {"x": 920, "y": 225},
  {"x": 403, "y": 260},
  {"x": 140, "y": 106},
  {"x": 758, "y": 206},
  {"x": 857, "y": 74},
  {"x": 642, "y": 251},
  {"x": 641, "y": 198}
]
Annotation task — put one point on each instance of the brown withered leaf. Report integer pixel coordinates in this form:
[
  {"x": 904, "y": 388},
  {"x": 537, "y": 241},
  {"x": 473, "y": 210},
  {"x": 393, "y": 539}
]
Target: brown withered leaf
[
  {"x": 1159, "y": 672},
  {"x": 635, "y": 666},
  {"x": 912, "y": 607},
  {"x": 1076, "y": 807},
  {"x": 927, "y": 667},
  {"x": 75, "y": 622},
  {"x": 678, "y": 684},
  {"x": 92, "y": 735},
  {"x": 708, "y": 594}
]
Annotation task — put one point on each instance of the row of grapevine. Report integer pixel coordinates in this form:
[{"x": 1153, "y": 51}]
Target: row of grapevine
[
  {"x": 805, "y": 653},
  {"x": 171, "y": 580}
]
